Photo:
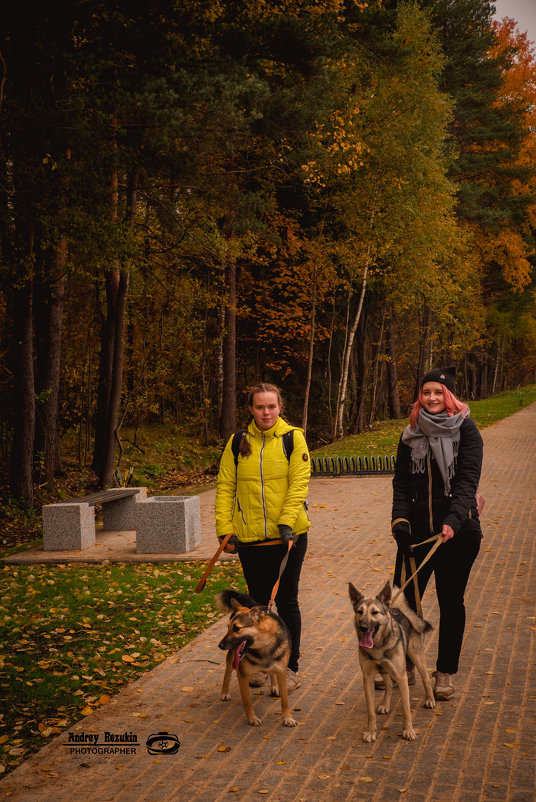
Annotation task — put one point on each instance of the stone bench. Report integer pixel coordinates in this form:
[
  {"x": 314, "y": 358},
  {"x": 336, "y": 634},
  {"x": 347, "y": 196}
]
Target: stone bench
[{"x": 163, "y": 524}]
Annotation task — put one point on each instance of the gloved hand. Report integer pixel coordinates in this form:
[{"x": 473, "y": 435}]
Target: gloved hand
[
  {"x": 231, "y": 544},
  {"x": 286, "y": 533},
  {"x": 402, "y": 535}
]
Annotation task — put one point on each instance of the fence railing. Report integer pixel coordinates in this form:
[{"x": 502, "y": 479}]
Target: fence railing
[{"x": 352, "y": 466}]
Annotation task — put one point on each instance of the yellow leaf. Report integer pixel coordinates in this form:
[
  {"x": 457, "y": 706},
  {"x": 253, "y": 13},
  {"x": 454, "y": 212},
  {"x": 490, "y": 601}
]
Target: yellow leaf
[
  {"x": 366, "y": 780},
  {"x": 281, "y": 762},
  {"x": 104, "y": 699},
  {"x": 4, "y": 739},
  {"x": 127, "y": 658},
  {"x": 224, "y": 748},
  {"x": 87, "y": 710},
  {"x": 510, "y": 746},
  {"x": 510, "y": 730},
  {"x": 187, "y": 689}
]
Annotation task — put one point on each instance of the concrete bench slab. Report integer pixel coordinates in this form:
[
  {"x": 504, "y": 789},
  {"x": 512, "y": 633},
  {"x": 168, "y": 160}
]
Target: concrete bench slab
[{"x": 70, "y": 525}]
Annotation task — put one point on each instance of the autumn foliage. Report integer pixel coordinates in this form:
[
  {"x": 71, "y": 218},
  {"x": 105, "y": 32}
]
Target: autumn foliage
[{"x": 333, "y": 196}]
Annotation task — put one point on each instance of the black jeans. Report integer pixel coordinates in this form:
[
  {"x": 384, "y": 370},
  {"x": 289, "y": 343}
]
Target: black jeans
[
  {"x": 261, "y": 569},
  {"x": 451, "y": 565}
]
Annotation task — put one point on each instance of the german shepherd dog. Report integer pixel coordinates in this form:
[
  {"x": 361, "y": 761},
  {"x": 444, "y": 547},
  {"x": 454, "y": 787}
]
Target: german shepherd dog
[
  {"x": 387, "y": 635},
  {"x": 256, "y": 640}
]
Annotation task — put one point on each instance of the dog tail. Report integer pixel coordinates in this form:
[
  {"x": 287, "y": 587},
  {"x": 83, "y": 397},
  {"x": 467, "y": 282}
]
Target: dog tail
[
  {"x": 417, "y": 622},
  {"x": 223, "y": 600}
]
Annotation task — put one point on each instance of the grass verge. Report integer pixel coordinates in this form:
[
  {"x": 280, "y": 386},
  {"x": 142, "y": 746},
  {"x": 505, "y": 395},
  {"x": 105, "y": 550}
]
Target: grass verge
[{"x": 74, "y": 635}]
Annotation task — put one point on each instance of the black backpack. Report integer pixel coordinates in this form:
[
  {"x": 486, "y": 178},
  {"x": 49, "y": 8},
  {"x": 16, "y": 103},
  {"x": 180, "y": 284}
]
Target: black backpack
[{"x": 287, "y": 441}]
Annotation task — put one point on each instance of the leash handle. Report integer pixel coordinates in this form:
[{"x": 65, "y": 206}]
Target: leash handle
[
  {"x": 282, "y": 567},
  {"x": 202, "y": 582},
  {"x": 438, "y": 542}
]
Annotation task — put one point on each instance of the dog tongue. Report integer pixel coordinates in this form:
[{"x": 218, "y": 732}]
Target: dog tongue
[
  {"x": 238, "y": 654},
  {"x": 366, "y": 641}
]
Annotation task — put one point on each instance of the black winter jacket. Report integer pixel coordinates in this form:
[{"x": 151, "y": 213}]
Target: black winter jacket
[{"x": 424, "y": 504}]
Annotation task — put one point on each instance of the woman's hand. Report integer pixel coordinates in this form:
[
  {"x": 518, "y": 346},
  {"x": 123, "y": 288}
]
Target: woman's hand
[
  {"x": 230, "y": 545},
  {"x": 447, "y": 532}
]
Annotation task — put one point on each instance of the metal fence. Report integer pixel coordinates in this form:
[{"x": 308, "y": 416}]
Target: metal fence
[{"x": 352, "y": 466}]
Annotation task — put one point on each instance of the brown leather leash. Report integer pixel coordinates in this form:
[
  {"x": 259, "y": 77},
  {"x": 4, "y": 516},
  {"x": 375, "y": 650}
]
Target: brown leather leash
[
  {"x": 282, "y": 567},
  {"x": 416, "y": 570},
  {"x": 202, "y": 582}
]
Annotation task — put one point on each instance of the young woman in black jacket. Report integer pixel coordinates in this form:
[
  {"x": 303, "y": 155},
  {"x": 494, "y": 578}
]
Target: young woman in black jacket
[{"x": 438, "y": 468}]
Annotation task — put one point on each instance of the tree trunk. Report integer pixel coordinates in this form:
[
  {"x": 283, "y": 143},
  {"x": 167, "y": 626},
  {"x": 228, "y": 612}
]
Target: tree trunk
[
  {"x": 339, "y": 423},
  {"x": 311, "y": 353},
  {"x": 24, "y": 394},
  {"x": 49, "y": 362},
  {"x": 423, "y": 349},
  {"x": 105, "y": 477},
  {"x": 376, "y": 370},
  {"x": 113, "y": 347},
  {"x": 392, "y": 379},
  {"x": 228, "y": 407},
  {"x": 361, "y": 371}
]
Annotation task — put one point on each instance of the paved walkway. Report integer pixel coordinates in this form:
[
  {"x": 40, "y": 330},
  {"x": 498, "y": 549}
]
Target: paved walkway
[{"x": 480, "y": 746}]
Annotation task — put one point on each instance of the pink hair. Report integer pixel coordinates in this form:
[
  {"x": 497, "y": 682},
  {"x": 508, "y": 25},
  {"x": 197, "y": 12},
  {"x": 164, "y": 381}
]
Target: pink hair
[{"x": 452, "y": 406}]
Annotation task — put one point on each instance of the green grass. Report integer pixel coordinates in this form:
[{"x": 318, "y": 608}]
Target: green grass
[
  {"x": 72, "y": 635},
  {"x": 383, "y": 438}
]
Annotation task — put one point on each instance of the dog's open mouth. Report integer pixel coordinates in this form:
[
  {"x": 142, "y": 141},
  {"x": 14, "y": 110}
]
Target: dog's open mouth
[
  {"x": 238, "y": 653},
  {"x": 367, "y": 639}
]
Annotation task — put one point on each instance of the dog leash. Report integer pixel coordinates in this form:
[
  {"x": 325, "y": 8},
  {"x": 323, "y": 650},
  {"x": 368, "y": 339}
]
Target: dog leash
[
  {"x": 202, "y": 582},
  {"x": 415, "y": 570},
  {"x": 282, "y": 567}
]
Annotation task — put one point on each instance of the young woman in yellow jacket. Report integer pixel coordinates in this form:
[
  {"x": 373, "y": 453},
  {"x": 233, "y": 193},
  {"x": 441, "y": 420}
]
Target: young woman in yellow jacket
[{"x": 262, "y": 501}]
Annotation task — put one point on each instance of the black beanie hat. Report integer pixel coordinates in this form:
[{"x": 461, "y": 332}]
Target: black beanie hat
[{"x": 446, "y": 376}]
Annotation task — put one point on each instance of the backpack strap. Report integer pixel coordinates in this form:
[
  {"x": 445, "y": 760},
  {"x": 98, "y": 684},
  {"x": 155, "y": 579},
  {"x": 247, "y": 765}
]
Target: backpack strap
[
  {"x": 288, "y": 443},
  {"x": 235, "y": 445}
]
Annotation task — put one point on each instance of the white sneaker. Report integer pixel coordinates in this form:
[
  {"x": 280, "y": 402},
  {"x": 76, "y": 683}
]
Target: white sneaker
[
  {"x": 444, "y": 687},
  {"x": 258, "y": 679},
  {"x": 292, "y": 680}
]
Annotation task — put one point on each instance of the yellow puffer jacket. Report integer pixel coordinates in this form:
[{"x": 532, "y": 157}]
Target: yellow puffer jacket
[{"x": 264, "y": 489}]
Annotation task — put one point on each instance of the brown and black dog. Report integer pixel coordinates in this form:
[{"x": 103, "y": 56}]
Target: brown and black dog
[
  {"x": 256, "y": 640},
  {"x": 387, "y": 634}
]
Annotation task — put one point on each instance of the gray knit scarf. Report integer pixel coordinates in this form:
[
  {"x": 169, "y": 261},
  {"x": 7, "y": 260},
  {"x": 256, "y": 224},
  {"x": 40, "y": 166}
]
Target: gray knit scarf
[{"x": 440, "y": 434}]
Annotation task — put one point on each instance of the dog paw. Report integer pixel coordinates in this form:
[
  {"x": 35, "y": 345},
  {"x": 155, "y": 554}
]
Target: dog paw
[
  {"x": 383, "y": 710},
  {"x": 290, "y": 722},
  {"x": 254, "y": 721},
  {"x": 274, "y": 691},
  {"x": 409, "y": 734},
  {"x": 430, "y": 703},
  {"x": 369, "y": 737},
  {"x": 225, "y": 697}
]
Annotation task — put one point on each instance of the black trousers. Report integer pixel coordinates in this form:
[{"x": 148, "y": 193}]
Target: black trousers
[
  {"x": 451, "y": 566},
  {"x": 261, "y": 569}
]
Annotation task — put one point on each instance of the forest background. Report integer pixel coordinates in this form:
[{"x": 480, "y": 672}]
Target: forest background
[{"x": 334, "y": 196}]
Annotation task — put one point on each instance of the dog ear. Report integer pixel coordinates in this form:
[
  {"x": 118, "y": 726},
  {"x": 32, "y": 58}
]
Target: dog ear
[
  {"x": 385, "y": 594},
  {"x": 235, "y": 605},
  {"x": 355, "y": 596}
]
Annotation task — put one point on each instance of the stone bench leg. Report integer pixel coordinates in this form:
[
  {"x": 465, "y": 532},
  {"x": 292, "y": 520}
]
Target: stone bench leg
[
  {"x": 168, "y": 525},
  {"x": 68, "y": 526},
  {"x": 120, "y": 515}
]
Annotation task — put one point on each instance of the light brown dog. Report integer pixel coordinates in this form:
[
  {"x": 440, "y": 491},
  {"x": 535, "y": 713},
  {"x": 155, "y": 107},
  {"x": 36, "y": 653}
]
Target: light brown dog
[
  {"x": 256, "y": 640},
  {"x": 387, "y": 635}
]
